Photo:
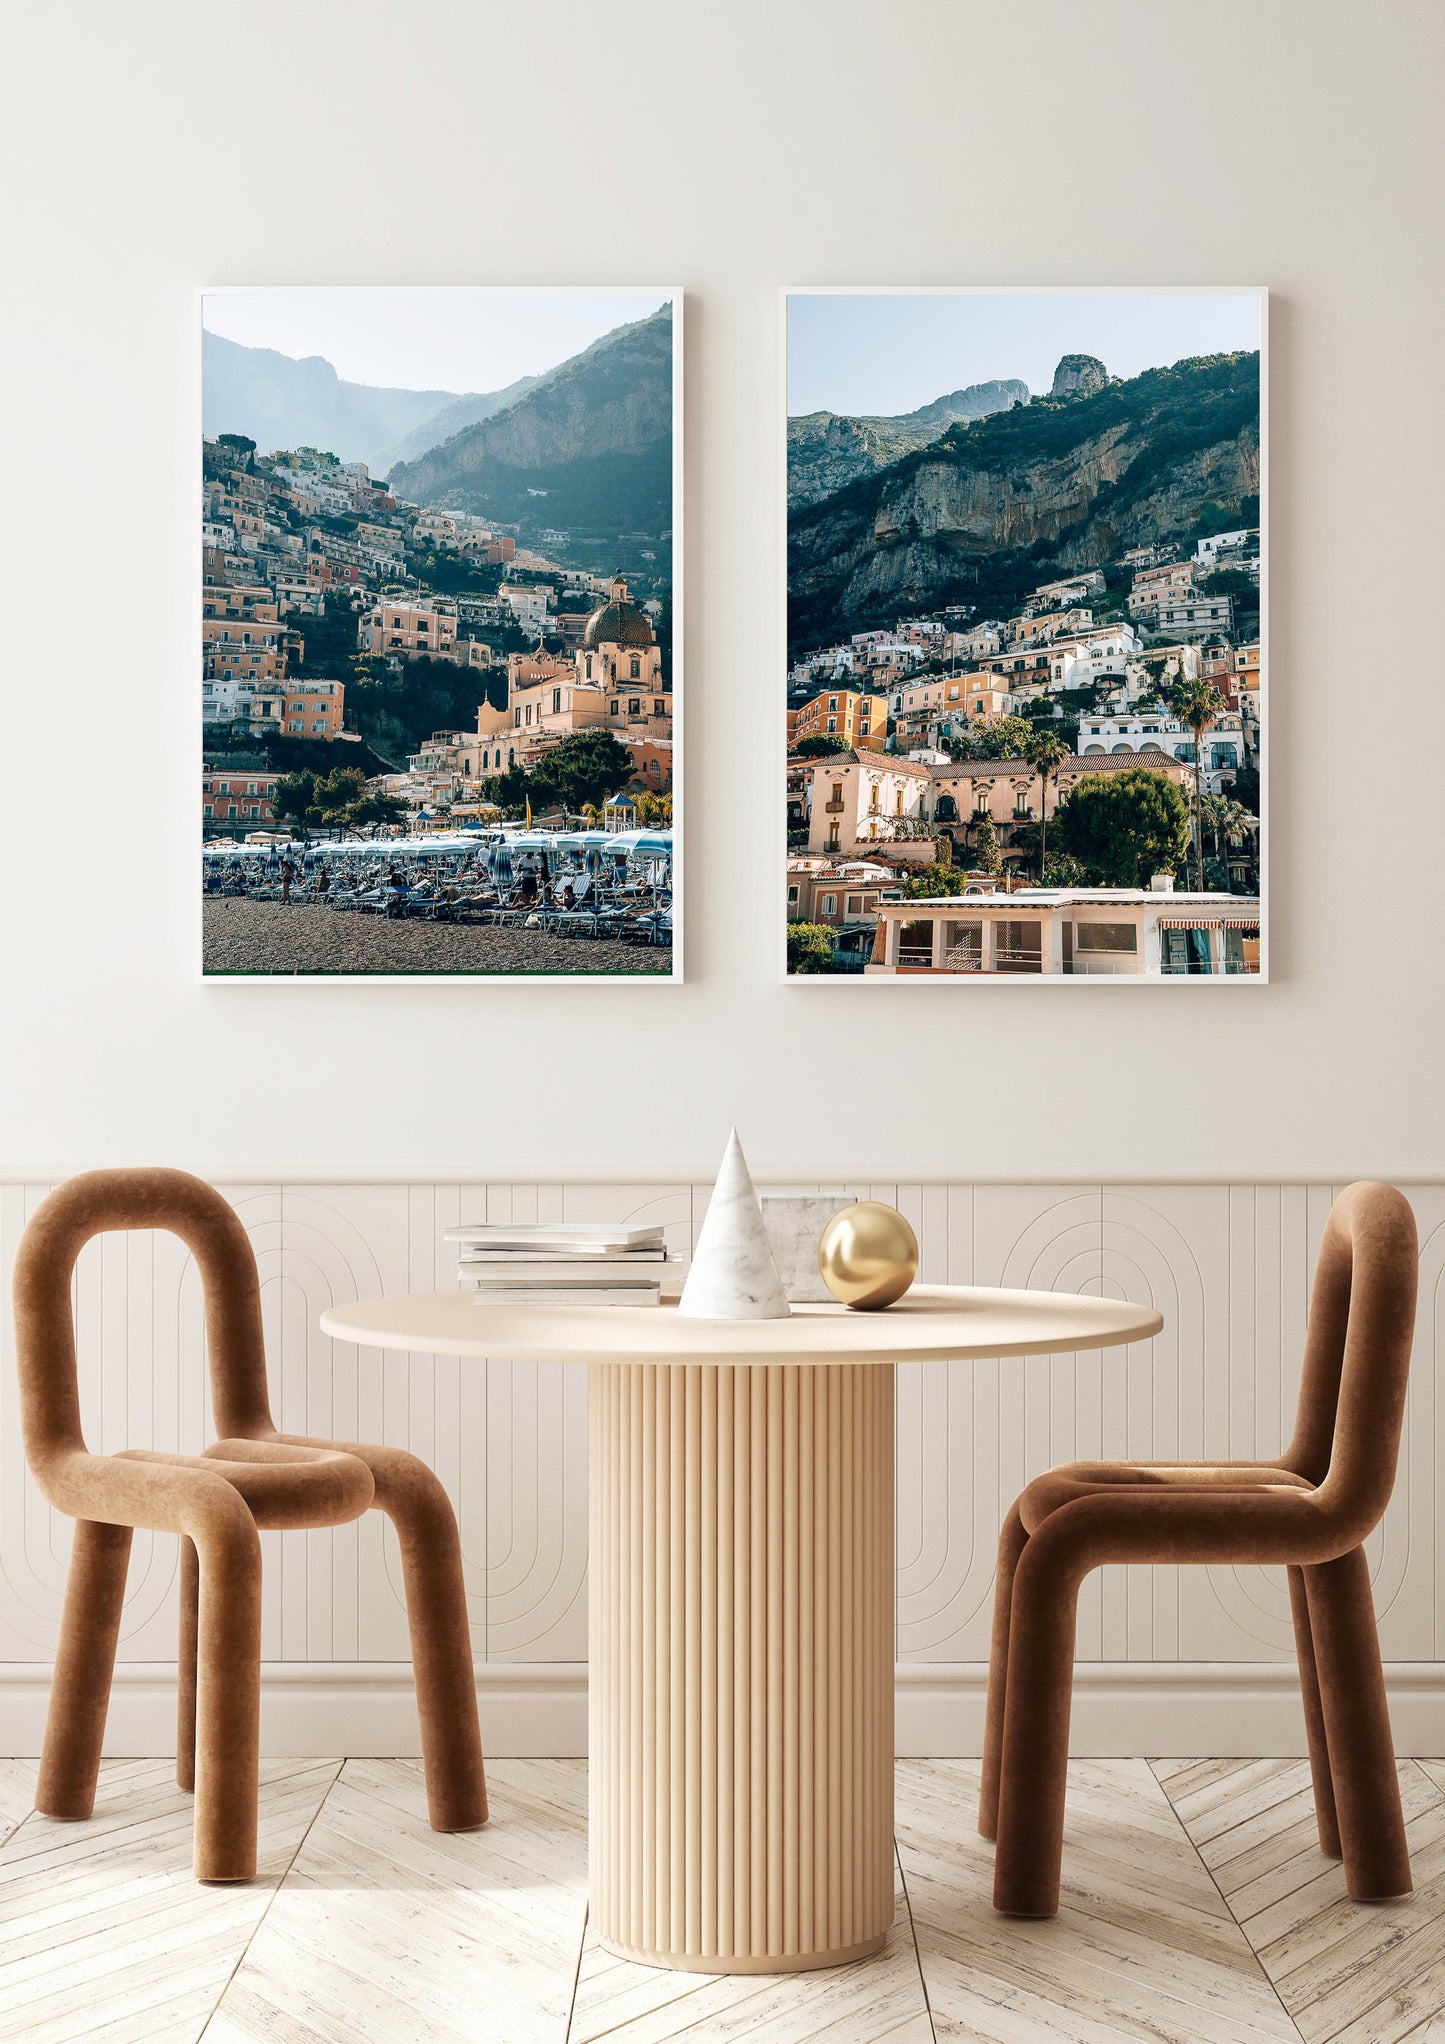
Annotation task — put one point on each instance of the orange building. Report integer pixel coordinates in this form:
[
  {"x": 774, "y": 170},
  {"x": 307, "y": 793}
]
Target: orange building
[
  {"x": 235, "y": 651},
  {"x": 237, "y": 798},
  {"x": 841, "y": 714},
  {"x": 314, "y": 709},
  {"x": 407, "y": 630}
]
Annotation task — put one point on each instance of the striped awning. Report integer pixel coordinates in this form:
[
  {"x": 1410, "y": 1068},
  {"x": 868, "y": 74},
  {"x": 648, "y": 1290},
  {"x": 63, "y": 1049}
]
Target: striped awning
[{"x": 1209, "y": 922}]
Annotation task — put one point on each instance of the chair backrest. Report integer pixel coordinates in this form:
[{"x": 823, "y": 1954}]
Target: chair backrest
[
  {"x": 93, "y": 1204},
  {"x": 1357, "y": 1355}
]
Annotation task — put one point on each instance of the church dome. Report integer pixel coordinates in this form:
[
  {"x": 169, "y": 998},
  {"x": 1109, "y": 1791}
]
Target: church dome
[{"x": 618, "y": 623}]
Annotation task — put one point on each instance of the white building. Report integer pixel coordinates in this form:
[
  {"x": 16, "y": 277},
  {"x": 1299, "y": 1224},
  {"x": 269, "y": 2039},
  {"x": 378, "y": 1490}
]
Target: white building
[
  {"x": 977, "y": 642},
  {"x": 1208, "y": 551},
  {"x": 1074, "y": 932},
  {"x": 1088, "y": 657},
  {"x": 1141, "y": 732},
  {"x": 828, "y": 663},
  {"x": 1225, "y": 747},
  {"x": 526, "y": 604},
  {"x": 1189, "y": 612},
  {"x": 1070, "y": 590}
]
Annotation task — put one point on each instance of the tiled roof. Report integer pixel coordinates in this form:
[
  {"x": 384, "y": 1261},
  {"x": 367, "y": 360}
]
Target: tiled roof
[
  {"x": 884, "y": 762},
  {"x": 1074, "y": 763}
]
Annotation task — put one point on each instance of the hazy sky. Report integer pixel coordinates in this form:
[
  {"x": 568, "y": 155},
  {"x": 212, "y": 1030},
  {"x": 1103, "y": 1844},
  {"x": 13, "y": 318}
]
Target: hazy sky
[
  {"x": 891, "y": 352},
  {"x": 425, "y": 340}
]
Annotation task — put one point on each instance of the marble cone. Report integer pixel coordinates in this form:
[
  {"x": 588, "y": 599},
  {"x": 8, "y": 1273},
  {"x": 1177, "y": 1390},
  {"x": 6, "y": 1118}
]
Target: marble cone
[{"x": 733, "y": 1275}]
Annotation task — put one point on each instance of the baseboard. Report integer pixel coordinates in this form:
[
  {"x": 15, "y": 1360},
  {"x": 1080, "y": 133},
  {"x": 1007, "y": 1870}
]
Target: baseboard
[
  {"x": 529, "y": 1709},
  {"x": 1161, "y": 1707}
]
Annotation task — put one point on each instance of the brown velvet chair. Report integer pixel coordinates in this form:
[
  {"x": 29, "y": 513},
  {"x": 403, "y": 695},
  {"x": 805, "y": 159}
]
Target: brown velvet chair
[
  {"x": 252, "y": 1477},
  {"x": 1309, "y": 1510}
]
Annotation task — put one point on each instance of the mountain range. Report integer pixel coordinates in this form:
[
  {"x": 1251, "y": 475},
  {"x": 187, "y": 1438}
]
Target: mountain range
[
  {"x": 588, "y": 447},
  {"x": 282, "y": 402},
  {"x": 989, "y": 509},
  {"x": 828, "y": 450}
]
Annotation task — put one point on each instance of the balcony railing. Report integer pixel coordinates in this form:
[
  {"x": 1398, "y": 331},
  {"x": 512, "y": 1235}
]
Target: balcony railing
[{"x": 835, "y": 809}]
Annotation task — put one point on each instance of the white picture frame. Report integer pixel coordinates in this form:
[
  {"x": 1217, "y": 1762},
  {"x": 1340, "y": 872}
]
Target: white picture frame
[
  {"x": 1257, "y": 294},
  {"x": 674, "y": 974}
]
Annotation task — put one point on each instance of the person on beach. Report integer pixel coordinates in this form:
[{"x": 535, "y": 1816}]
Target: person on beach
[{"x": 288, "y": 874}]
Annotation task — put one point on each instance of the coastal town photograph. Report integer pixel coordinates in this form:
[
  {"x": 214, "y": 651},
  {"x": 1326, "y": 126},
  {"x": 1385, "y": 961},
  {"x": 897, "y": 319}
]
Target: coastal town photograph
[
  {"x": 438, "y": 650},
  {"x": 1025, "y": 696}
]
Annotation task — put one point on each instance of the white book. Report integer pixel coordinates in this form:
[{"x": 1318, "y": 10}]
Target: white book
[
  {"x": 557, "y": 1285},
  {"x": 591, "y": 1295},
  {"x": 576, "y": 1237},
  {"x": 592, "y": 1270}
]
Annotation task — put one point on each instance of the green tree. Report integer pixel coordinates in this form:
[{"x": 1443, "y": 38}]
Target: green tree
[
  {"x": 1045, "y": 754},
  {"x": 376, "y": 808},
  {"x": 993, "y": 738},
  {"x": 338, "y": 800},
  {"x": 1196, "y": 703},
  {"x": 583, "y": 767},
  {"x": 1124, "y": 828},
  {"x": 1230, "y": 825},
  {"x": 818, "y": 746},
  {"x": 810, "y": 947},
  {"x": 293, "y": 800},
  {"x": 931, "y": 882},
  {"x": 986, "y": 854}
]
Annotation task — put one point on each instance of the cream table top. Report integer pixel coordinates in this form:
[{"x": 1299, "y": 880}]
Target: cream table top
[{"x": 931, "y": 1323}]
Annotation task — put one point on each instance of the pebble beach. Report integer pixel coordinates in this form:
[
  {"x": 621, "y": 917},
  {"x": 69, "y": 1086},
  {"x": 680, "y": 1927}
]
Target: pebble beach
[{"x": 243, "y": 936}]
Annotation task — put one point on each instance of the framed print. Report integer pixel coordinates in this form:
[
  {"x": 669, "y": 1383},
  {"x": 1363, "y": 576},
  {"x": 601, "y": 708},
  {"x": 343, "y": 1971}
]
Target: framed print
[
  {"x": 1026, "y": 600},
  {"x": 440, "y": 623}
]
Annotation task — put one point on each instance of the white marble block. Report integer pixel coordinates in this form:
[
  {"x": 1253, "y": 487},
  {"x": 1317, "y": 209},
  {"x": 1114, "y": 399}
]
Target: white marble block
[
  {"x": 733, "y": 1275},
  {"x": 795, "y": 1221}
]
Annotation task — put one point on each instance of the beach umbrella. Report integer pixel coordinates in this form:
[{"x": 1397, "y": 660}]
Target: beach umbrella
[{"x": 502, "y": 863}]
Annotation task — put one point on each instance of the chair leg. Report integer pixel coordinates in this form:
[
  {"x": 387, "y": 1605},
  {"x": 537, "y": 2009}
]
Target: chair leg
[
  {"x": 1357, "y": 1729},
  {"x": 1011, "y": 1543},
  {"x": 190, "y": 1591},
  {"x": 441, "y": 1644},
  {"x": 1034, "y": 1773},
  {"x": 228, "y": 1697},
  {"x": 1309, "y": 1683},
  {"x": 84, "y": 1664}
]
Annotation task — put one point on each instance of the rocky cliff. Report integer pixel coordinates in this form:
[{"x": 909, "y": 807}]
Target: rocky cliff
[
  {"x": 988, "y": 510},
  {"x": 589, "y": 445},
  {"x": 829, "y": 450},
  {"x": 1079, "y": 375}
]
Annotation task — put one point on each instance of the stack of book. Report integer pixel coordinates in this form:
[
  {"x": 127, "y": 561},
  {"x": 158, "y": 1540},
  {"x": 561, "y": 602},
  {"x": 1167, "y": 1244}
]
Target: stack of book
[{"x": 580, "y": 1263}]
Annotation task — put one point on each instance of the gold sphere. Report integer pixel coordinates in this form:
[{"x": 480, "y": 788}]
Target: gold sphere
[{"x": 868, "y": 1255}]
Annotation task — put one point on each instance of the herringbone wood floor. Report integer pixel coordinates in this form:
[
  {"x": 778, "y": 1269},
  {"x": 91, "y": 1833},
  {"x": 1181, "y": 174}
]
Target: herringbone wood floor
[{"x": 1196, "y": 1906}]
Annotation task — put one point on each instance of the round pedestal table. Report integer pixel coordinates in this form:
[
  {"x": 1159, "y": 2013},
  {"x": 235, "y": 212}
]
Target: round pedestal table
[{"x": 741, "y": 1649}]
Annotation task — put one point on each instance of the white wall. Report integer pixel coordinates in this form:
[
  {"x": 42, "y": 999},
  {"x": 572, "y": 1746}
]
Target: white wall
[{"x": 733, "y": 148}]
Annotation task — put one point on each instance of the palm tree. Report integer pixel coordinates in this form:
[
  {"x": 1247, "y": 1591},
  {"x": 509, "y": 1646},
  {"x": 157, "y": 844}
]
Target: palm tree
[
  {"x": 1044, "y": 752},
  {"x": 1196, "y": 703},
  {"x": 1231, "y": 824}
]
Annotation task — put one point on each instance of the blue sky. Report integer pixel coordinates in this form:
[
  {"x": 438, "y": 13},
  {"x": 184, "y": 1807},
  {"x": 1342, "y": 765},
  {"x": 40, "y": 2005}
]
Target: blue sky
[
  {"x": 888, "y": 352},
  {"x": 426, "y": 340}
]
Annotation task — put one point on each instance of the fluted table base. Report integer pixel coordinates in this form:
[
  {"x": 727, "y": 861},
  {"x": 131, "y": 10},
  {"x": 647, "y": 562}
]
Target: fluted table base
[{"x": 741, "y": 1663}]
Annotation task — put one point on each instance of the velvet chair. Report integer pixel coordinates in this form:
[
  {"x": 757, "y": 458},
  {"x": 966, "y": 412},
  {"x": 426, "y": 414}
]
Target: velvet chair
[
  {"x": 251, "y": 1478},
  {"x": 1309, "y": 1510}
]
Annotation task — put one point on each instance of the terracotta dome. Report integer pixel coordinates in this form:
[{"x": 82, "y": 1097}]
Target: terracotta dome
[{"x": 618, "y": 623}]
